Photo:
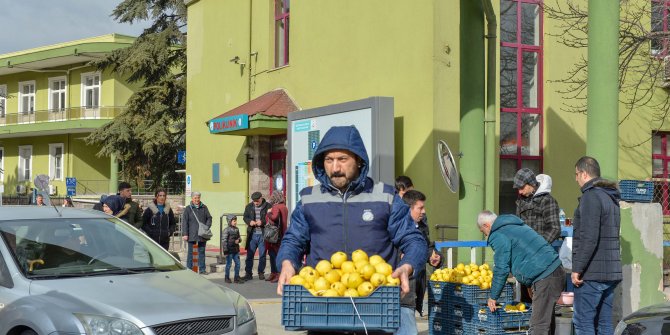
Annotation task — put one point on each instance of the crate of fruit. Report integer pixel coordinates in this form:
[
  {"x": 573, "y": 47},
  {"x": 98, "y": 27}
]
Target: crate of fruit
[
  {"x": 455, "y": 312},
  {"x": 380, "y": 311},
  {"x": 474, "y": 295},
  {"x": 636, "y": 190},
  {"x": 510, "y": 318}
]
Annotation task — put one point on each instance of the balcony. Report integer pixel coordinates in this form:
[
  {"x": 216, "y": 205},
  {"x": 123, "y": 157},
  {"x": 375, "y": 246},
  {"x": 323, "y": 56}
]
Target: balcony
[{"x": 59, "y": 115}]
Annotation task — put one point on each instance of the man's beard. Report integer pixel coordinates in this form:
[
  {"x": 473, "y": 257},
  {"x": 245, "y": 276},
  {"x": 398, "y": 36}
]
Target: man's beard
[{"x": 339, "y": 180}]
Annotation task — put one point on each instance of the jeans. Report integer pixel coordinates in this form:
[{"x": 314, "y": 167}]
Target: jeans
[
  {"x": 273, "y": 259},
  {"x": 593, "y": 307},
  {"x": 407, "y": 321},
  {"x": 257, "y": 242},
  {"x": 201, "y": 256},
  {"x": 236, "y": 258},
  {"x": 546, "y": 292}
]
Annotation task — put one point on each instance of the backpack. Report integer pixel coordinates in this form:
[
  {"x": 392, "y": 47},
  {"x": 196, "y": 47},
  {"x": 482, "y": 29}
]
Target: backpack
[{"x": 271, "y": 231}]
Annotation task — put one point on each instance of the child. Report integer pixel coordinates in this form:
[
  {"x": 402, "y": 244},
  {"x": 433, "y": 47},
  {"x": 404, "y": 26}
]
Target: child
[{"x": 231, "y": 240}]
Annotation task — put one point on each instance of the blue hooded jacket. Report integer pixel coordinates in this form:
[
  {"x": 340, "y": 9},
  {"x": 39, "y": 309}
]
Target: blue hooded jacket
[
  {"x": 366, "y": 216},
  {"x": 521, "y": 251}
]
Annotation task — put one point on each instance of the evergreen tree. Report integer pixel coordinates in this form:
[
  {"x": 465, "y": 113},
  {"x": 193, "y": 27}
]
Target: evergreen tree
[{"x": 146, "y": 136}]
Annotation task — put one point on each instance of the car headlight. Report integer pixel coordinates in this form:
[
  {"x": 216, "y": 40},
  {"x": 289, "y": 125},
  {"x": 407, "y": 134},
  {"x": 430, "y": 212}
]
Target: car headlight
[
  {"x": 244, "y": 311},
  {"x": 103, "y": 325},
  {"x": 620, "y": 327}
]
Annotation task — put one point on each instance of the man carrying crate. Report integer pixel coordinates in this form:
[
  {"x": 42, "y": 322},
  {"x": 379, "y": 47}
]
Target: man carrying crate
[
  {"x": 348, "y": 211},
  {"x": 531, "y": 260}
]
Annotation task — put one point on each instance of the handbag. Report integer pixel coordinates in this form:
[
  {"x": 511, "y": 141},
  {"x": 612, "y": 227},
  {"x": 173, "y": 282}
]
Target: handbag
[
  {"x": 271, "y": 231},
  {"x": 203, "y": 231}
]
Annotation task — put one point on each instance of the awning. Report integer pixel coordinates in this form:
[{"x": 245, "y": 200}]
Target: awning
[{"x": 265, "y": 115}]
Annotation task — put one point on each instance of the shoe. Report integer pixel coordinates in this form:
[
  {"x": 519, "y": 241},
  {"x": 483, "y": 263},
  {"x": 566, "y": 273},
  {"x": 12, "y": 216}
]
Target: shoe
[
  {"x": 204, "y": 273},
  {"x": 239, "y": 280},
  {"x": 261, "y": 276},
  {"x": 275, "y": 278},
  {"x": 228, "y": 280},
  {"x": 248, "y": 277},
  {"x": 270, "y": 277}
]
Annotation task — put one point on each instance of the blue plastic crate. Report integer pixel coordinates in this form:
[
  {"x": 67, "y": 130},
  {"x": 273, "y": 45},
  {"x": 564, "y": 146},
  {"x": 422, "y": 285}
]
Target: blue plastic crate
[
  {"x": 437, "y": 291},
  {"x": 473, "y": 295},
  {"x": 455, "y": 312},
  {"x": 501, "y": 321},
  {"x": 302, "y": 311},
  {"x": 442, "y": 326},
  {"x": 636, "y": 190}
]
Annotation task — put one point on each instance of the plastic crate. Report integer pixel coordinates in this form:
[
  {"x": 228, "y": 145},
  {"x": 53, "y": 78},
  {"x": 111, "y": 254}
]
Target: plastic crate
[
  {"x": 503, "y": 321},
  {"x": 455, "y": 312},
  {"x": 473, "y": 295},
  {"x": 442, "y": 326},
  {"x": 380, "y": 311},
  {"x": 636, "y": 190}
]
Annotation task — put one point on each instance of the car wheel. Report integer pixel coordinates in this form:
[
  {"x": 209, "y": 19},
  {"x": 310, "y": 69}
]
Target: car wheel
[{"x": 28, "y": 332}]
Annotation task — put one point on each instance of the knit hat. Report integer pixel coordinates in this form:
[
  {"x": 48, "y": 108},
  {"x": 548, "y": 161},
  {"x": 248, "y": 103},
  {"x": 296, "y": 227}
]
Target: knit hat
[
  {"x": 256, "y": 195},
  {"x": 523, "y": 177},
  {"x": 230, "y": 218}
]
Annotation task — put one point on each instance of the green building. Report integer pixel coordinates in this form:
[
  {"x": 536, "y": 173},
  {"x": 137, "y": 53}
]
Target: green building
[{"x": 50, "y": 100}]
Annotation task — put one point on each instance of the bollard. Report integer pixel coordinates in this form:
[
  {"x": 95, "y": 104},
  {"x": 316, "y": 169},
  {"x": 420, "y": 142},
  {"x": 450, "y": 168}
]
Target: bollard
[{"x": 195, "y": 257}]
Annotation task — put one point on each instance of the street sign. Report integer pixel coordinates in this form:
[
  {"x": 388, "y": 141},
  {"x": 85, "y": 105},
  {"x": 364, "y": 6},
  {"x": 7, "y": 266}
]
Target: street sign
[
  {"x": 188, "y": 185},
  {"x": 181, "y": 157},
  {"x": 71, "y": 185}
]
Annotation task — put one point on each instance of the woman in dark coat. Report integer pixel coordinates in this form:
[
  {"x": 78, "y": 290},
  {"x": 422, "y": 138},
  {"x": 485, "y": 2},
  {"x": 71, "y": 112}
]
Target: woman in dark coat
[
  {"x": 278, "y": 215},
  {"x": 158, "y": 219}
]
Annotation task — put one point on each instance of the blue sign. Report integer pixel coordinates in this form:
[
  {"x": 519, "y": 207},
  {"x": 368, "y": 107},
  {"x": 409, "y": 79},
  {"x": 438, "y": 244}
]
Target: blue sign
[
  {"x": 303, "y": 125},
  {"x": 181, "y": 157},
  {"x": 71, "y": 185},
  {"x": 229, "y": 123}
]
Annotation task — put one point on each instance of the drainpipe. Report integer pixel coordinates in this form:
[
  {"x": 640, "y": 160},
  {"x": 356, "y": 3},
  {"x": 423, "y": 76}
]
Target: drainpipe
[{"x": 490, "y": 119}]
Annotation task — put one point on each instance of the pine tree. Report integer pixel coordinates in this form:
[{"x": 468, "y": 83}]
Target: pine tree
[{"x": 146, "y": 136}]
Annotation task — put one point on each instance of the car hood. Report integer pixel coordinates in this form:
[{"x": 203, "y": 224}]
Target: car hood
[
  {"x": 662, "y": 310},
  {"x": 146, "y": 299}
]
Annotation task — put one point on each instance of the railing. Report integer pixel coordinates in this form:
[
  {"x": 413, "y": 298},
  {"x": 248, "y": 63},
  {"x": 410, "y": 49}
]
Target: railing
[
  {"x": 662, "y": 194},
  {"x": 97, "y": 187},
  {"x": 63, "y": 114}
]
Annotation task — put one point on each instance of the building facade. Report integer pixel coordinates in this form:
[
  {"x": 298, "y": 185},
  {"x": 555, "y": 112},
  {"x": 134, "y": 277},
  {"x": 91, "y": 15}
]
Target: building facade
[
  {"x": 50, "y": 100},
  {"x": 431, "y": 57}
]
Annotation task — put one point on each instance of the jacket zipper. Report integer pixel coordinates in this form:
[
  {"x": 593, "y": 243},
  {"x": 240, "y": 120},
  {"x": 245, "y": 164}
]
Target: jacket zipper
[{"x": 344, "y": 220}]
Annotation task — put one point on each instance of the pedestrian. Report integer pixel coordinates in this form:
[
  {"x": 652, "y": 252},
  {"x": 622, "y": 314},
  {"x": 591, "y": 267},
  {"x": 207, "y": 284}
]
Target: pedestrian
[
  {"x": 231, "y": 239},
  {"x": 403, "y": 184},
  {"x": 347, "y": 211},
  {"x": 277, "y": 217},
  {"x": 67, "y": 202},
  {"x": 596, "y": 249},
  {"x": 538, "y": 209},
  {"x": 255, "y": 216},
  {"x": 39, "y": 200},
  {"x": 133, "y": 214},
  {"x": 417, "y": 207},
  {"x": 195, "y": 213},
  {"x": 533, "y": 262},
  {"x": 112, "y": 205},
  {"x": 158, "y": 220}
]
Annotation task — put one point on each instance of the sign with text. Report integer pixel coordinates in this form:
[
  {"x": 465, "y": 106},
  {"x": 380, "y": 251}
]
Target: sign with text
[
  {"x": 188, "y": 185},
  {"x": 228, "y": 123},
  {"x": 71, "y": 185},
  {"x": 181, "y": 157}
]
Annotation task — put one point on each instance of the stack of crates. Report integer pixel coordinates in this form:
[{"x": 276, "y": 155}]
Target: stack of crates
[{"x": 457, "y": 309}]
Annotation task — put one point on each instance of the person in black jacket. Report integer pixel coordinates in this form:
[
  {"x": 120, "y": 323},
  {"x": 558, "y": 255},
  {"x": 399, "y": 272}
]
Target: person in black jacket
[
  {"x": 254, "y": 216},
  {"x": 158, "y": 220},
  {"x": 596, "y": 249}
]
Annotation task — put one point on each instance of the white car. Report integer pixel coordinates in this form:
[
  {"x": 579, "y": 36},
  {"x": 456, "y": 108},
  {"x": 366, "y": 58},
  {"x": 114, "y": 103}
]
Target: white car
[{"x": 72, "y": 271}]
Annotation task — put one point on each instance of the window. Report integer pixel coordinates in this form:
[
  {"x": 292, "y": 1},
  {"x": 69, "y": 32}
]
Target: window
[
  {"x": 27, "y": 97},
  {"x": 56, "y": 161},
  {"x": 90, "y": 90},
  {"x": 3, "y": 100},
  {"x": 282, "y": 16},
  {"x": 659, "y": 24},
  {"x": 2, "y": 165},
  {"x": 660, "y": 156},
  {"x": 25, "y": 162},
  {"x": 521, "y": 119},
  {"x": 57, "y": 93}
]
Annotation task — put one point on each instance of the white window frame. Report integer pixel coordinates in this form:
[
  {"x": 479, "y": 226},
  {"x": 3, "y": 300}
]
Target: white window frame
[
  {"x": 62, "y": 94},
  {"x": 22, "y": 176},
  {"x": 21, "y": 95},
  {"x": 2, "y": 165},
  {"x": 52, "y": 160},
  {"x": 3, "y": 101},
  {"x": 84, "y": 87}
]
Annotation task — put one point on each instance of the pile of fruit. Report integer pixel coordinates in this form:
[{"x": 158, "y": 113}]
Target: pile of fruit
[
  {"x": 341, "y": 277},
  {"x": 472, "y": 274},
  {"x": 509, "y": 308}
]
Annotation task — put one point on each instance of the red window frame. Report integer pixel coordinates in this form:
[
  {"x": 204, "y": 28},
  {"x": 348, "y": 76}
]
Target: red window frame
[
  {"x": 664, "y": 41},
  {"x": 278, "y": 155},
  {"x": 661, "y": 189},
  {"x": 282, "y": 15}
]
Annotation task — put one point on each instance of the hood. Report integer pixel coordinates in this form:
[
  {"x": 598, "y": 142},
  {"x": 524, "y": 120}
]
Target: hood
[
  {"x": 505, "y": 220},
  {"x": 347, "y": 138},
  {"x": 165, "y": 296},
  {"x": 154, "y": 207},
  {"x": 545, "y": 184},
  {"x": 115, "y": 203},
  {"x": 608, "y": 186}
]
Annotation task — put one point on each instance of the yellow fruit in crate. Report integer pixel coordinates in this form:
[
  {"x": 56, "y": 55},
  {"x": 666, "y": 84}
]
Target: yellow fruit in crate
[
  {"x": 390, "y": 281},
  {"x": 339, "y": 272},
  {"x": 467, "y": 271},
  {"x": 378, "y": 279},
  {"x": 323, "y": 266},
  {"x": 521, "y": 307},
  {"x": 384, "y": 268},
  {"x": 348, "y": 266},
  {"x": 321, "y": 284},
  {"x": 309, "y": 274},
  {"x": 359, "y": 255},
  {"x": 376, "y": 259},
  {"x": 351, "y": 292},
  {"x": 367, "y": 271},
  {"x": 475, "y": 282},
  {"x": 339, "y": 287},
  {"x": 360, "y": 264},
  {"x": 476, "y": 273},
  {"x": 344, "y": 279},
  {"x": 485, "y": 285},
  {"x": 337, "y": 259},
  {"x": 460, "y": 267},
  {"x": 297, "y": 280},
  {"x": 365, "y": 288},
  {"x": 330, "y": 293},
  {"x": 313, "y": 292},
  {"x": 305, "y": 270},
  {"x": 354, "y": 280},
  {"x": 332, "y": 276},
  {"x": 465, "y": 280}
]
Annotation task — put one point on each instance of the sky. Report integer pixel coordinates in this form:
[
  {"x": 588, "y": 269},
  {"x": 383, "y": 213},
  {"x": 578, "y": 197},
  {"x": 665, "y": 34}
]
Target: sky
[{"x": 28, "y": 24}]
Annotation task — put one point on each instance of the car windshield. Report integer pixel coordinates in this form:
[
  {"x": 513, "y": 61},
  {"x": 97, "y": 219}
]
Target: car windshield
[{"x": 47, "y": 249}]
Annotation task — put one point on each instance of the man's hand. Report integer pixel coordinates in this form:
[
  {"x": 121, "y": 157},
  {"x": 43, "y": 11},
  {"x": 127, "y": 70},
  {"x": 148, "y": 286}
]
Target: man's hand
[
  {"x": 435, "y": 259},
  {"x": 492, "y": 305},
  {"x": 403, "y": 273},
  {"x": 287, "y": 271},
  {"x": 576, "y": 280},
  {"x": 185, "y": 237}
]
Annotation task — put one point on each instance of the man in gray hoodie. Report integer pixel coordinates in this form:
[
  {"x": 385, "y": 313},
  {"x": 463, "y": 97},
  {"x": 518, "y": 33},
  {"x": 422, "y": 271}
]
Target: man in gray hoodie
[{"x": 535, "y": 206}]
